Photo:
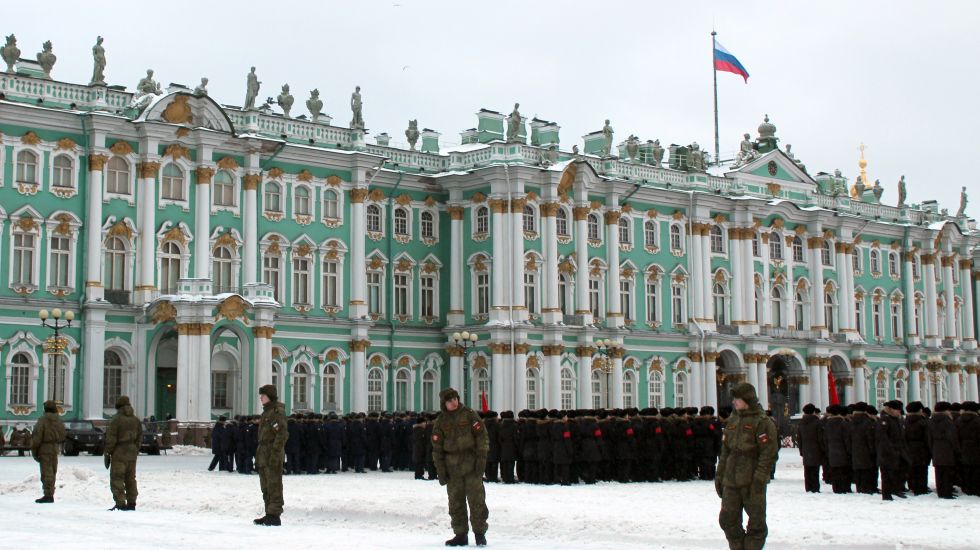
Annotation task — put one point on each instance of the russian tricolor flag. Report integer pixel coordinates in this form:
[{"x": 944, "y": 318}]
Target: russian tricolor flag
[{"x": 725, "y": 61}]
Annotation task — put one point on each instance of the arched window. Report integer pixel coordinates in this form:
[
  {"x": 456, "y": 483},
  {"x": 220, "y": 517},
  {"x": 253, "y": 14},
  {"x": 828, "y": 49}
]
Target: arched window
[
  {"x": 112, "y": 378},
  {"x": 680, "y": 389},
  {"x": 896, "y": 314},
  {"x": 676, "y": 242},
  {"x": 301, "y": 280},
  {"x": 301, "y": 198},
  {"x": 655, "y": 389},
  {"x": 856, "y": 260},
  {"x": 916, "y": 267},
  {"x": 629, "y": 389},
  {"x": 20, "y": 379},
  {"x": 403, "y": 383},
  {"x": 561, "y": 222},
  {"x": 169, "y": 267},
  {"x": 653, "y": 299},
  {"x": 301, "y": 387},
  {"x": 532, "y": 388},
  {"x": 224, "y": 189},
  {"x": 430, "y": 401},
  {"x": 625, "y": 230},
  {"x": 373, "y": 218},
  {"x": 401, "y": 221},
  {"x": 375, "y": 390},
  {"x": 272, "y": 274},
  {"x": 881, "y": 391},
  {"x": 273, "y": 197},
  {"x": 918, "y": 315},
  {"x": 893, "y": 264},
  {"x": 721, "y": 304},
  {"x": 775, "y": 246},
  {"x": 115, "y": 264},
  {"x": 62, "y": 175},
  {"x": 717, "y": 240},
  {"x": 800, "y": 310},
  {"x": 756, "y": 245},
  {"x": 876, "y": 316},
  {"x": 677, "y": 304},
  {"x": 859, "y": 315},
  {"x": 117, "y": 176},
  {"x": 427, "y": 225},
  {"x": 172, "y": 182},
  {"x": 900, "y": 392},
  {"x": 331, "y": 204},
  {"x": 593, "y": 227},
  {"x": 650, "y": 234},
  {"x": 567, "y": 389},
  {"x": 875, "y": 261},
  {"x": 27, "y": 167},
  {"x": 482, "y": 220},
  {"x": 221, "y": 270},
  {"x": 481, "y": 380},
  {"x": 777, "y": 306},
  {"x": 331, "y": 283},
  {"x": 598, "y": 380},
  {"x": 530, "y": 223},
  {"x": 60, "y": 246},
  {"x": 830, "y": 311},
  {"x": 331, "y": 389},
  {"x": 797, "y": 249}
]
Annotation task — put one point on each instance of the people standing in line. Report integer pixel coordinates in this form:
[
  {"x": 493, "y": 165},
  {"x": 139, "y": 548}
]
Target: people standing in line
[
  {"x": 507, "y": 445},
  {"x": 750, "y": 447},
  {"x": 459, "y": 449},
  {"x": 968, "y": 431},
  {"x": 945, "y": 448},
  {"x": 49, "y": 434},
  {"x": 863, "y": 454},
  {"x": 270, "y": 454},
  {"x": 122, "y": 448},
  {"x": 892, "y": 454},
  {"x": 837, "y": 431},
  {"x": 917, "y": 442},
  {"x": 812, "y": 445}
]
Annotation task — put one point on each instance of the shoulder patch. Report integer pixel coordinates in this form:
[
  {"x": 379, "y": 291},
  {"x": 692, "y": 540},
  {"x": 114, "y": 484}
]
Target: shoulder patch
[
  {"x": 764, "y": 438},
  {"x": 477, "y": 425}
]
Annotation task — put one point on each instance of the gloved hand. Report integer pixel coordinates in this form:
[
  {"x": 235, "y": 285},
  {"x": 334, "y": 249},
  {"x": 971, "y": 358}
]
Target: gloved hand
[
  {"x": 443, "y": 479},
  {"x": 107, "y": 460},
  {"x": 718, "y": 487},
  {"x": 35, "y": 457}
]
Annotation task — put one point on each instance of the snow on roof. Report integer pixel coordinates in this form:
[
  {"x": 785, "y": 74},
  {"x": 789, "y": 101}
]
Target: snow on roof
[{"x": 465, "y": 148}]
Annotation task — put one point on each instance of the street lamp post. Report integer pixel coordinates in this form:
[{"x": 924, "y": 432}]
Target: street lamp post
[
  {"x": 55, "y": 345},
  {"x": 606, "y": 348},
  {"x": 463, "y": 341}
]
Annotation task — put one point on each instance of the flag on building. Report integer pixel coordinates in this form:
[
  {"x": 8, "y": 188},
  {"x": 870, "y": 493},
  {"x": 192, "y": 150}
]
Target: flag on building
[
  {"x": 832, "y": 388},
  {"x": 483, "y": 401},
  {"x": 726, "y": 62}
]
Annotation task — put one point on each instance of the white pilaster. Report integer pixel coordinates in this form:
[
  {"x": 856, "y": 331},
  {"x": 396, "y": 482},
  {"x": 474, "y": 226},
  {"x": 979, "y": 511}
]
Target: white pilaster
[
  {"x": 815, "y": 396},
  {"x": 500, "y": 302},
  {"x": 498, "y": 366},
  {"x": 552, "y": 379},
  {"x": 790, "y": 282},
  {"x": 584, "y": 373},
  {"x": 456, "y": 372},
  {"x": 581, "y": 214},
  {"x": 358, "y": 371},
  {"x": 739, "y": 274},
  {"x": 966, "y": 289},
  {"x": 817, "y": 316},
  {"x": 909, "y": 284},
  {"x": 709, "y": 306},
  {"x": 358, "y": 270},
  {"x": 94, "y": 289},
  {"x": 932, "y": 315},
  {"x": 948, "y": 293},
  {"x": 616, "y": 391},
  {"x": 516, "y": 249},
  {"x": 766, "y": 282},
  {"x": 844, "y": 320},
  {"x": 914, "y": 393},
  {"x": 824, "y": 387},
  {"x": 202, "y": 229},
  {"x": 456, "y": 315},
  {"x": 860, "y": 385},
  {"x": 614, "y": 315},
  {"x": 251, "y": 228},
  {"x": 698, "y": 274},
  {"x": 93, "y": 350},
  {"x": 953, "y": 383},
  {"x": 519, "y": 393},
  {"x": 748, "y": 279},
  {"x": 763, "y": 387},
  {"x": 551, "y": 314},
  {"x": 146, "y": 227}
]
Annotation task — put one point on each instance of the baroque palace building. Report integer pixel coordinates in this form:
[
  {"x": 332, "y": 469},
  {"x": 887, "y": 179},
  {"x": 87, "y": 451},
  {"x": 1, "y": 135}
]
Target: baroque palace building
[{"x": 210, "y": 249}]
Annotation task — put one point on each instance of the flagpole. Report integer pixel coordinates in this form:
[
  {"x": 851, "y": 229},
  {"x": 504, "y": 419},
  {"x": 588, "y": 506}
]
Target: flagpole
[{"x": 714, "y": 74}]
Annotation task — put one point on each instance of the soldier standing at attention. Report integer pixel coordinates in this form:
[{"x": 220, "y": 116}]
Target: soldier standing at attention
[
  {"x": 122, "y": 448},
  {"x": 459, "y": 450},
  {"x": 49, "y": 434},
  {"x": 748, "y": 452},
  {"x": 271, "y": 454}
]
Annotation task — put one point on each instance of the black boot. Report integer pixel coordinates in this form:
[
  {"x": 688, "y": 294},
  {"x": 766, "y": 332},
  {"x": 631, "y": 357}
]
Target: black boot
[
  {"x": 481, "y": 539},
  {"x": 458, "y": 540},
  {"x": 130, "y": 507},
  {"x": 119, "y": 507},
  {"x": 260, "y": 521},
  {"x": 44, "y": 500},
  {"x": 272, "y": 521}
]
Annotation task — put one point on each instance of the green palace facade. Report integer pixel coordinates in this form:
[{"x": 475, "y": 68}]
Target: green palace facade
[{"x": 207, "y": 249}]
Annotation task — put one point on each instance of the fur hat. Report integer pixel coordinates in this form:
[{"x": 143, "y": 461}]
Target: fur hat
[
  {"x": 942, "y": 406},
  {"x": 122, "y": 401},
  {"x": 269, "y": 391},
  {"x": 746, "y": 392},
  {"x": 895, "y": 404},
  {"x": 507, "y": 415},
  {"x": 971, "y": 406},
  {"x": 809, "y": 409},
  {"x": 447, "y": 394},
  {"x": 914, "y": 407},
  {"x": 50, "y": 406},
  {"x": 707, "y": 410}
]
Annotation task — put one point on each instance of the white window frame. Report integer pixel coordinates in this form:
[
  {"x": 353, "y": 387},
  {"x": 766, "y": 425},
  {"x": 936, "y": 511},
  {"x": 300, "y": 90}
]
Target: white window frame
[
  {"x": 625, "y": 228},
  {"x": 235, "y": 192},
  {"x": 310, "y": 200},
  {"x": 183, "y": 184},
  {"x": 130, "y": 195},
  {"x": 298, "y": 286},
  {"x": 266, "y": 194},
  {"x": 72, "y": 170},
  {"x": 307, "y": 376},
  {"x": 433, "y": 223},
  {"x": 481, "y": 216},
  {"x": 380, "y": 217},
  {"x": 656, "y": 389},
  {"x": 716, "y": 238},
  {"x": 332, "y": 376}
]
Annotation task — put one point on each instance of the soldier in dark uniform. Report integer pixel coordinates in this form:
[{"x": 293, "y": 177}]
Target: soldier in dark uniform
[
  {"x": 459, "y": 449},
  {"x": 49, "y": 434},
  {"x": 968, "y": 430},
  {"x": 944, "y": 445},
  {"x": 311, "y": 444},
  {"x": 527, "y": 437},
  {"x": 837, "y": 432},
  {"x": 386, "y": 442},
  {"x": 372, "y": 441},
  {"x": 334, "y": 431},
  {"x": 294, "y": 445},
  {"x": 251, "y": 443},
  {"x": 812, "y": 446},
  {"x": 546, "y": 464},
  {"x": 507, "y": 444},
  {"x": 892, "y": 453},
  {"x": 240, "y": 433},
  {"x": 271, "y": 453},
  {"x": 216, "y": 435},
  {"x": 917, "y": 443},
  {"x": 704, "y": 443},
  {"x": 418, "y": 447},
  {"x": 493, "y": 455},
  {"x": 228, "y": 446},
  {"x": 357, "y": 439},
  {"x": 562, "y": 448},
  {"x": 863, "y": 455},
  {"x": 122, "y": 447}
]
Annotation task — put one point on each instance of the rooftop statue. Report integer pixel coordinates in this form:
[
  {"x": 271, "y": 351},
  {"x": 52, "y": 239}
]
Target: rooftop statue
[
  {"x": 98, "y": 71},
  {"x": 46, "y": 59},
  {"x": 963, "y": 201},
  {"x": 695, "y": 158},
  {"x": 201, "y": 90},
  {"x": 357, "y": 121},
  {"x": 632, "y": 147},
  {"x": 858, "y": 190},
  {"x": 658, "y": 152},
  {"x": 146, "y": 90},
  {"x": 514, "y": 124},
  {"x": 412, "y": 134},
  {"x": 607, "y": 139},
  {"x": 10, "y": 53},
  {"x": 746, "y": 151},
  {"x": 314, "y": 104},
  {"x": 251, "y": 90},
  {"x": 285, "y": 100},
  {"x": 878, "y": 190},
  {"x": 575, "y": 150},
  {"x": 902, "y": 193}
]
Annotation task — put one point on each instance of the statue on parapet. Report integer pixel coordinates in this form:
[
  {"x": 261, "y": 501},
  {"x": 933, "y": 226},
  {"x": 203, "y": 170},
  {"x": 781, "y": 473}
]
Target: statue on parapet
[
  {"x": 878, "y": 190},
  {"x": 357, "y": 120},
  {"x": 146, "y": 90},
  {"x": 963, "y": 201},
  {"x": 314, "y": 104},
  {"x": 902, "y": 192},
  {"x": 746, "y": 151},
  {"x": 514, "y": 124},
  {"x": 695, "y": 158},
  {"x": 285, "y": 100},
  {"x": 607, "y": 139},
  {"x": 251, "y": 90},
  {"x": 46, "y": 59},
  {"x": 632, "y": 147},
  {"x": 98, "y": 71},
  {"x": 201, "y": 90},
  {"x": 10, "y": 53},
  {"x": 412, "y": 134},
  {"x": 658, "y": 152}
]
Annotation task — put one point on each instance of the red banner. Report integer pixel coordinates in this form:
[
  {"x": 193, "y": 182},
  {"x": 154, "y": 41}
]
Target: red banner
[{"x": 832, "y": 388}]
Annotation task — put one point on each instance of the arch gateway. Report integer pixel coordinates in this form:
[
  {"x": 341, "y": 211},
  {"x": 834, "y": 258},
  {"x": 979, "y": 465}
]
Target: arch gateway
[{"x": 336, "y": 266}]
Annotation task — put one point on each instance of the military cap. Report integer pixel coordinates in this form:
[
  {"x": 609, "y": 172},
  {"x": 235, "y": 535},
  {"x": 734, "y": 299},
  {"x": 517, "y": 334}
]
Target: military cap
[
  {"x": 122, "y": 401},
  {"x": 809, "y": 409},
  {"x": 50, "y": 406},
  {"x": 707, "y": 410},
  {"x": 914, "y": 407},
  {"x": 269, "y": 391}
]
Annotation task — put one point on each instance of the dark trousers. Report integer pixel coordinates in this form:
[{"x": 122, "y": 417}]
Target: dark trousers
[
  {"x": 385, "y": 458},
  {"x": 971, "y": 479},
  {"x": 944, "y": 481},
  {"x": 919, "y": 479},
  {"x": 357, "y": 461},
  {"x": 507, "y": 471},
  {"x": 866, "y": 480},
  {"x": 706, "y": 469},
  {"x": 529, "y": 474},
  {"x": 811, "y": 479},
  {"x": 891, "y": 482},
  {"x": 563, "y": 474},
  {"x": 624, "y": 468},
  {"x": 491, "y": 471},
  {"x": 227, "y": 461},
  {"x": 313, "y": 464},
  {"x": 734, "y": 501},
  {"x": 840, "y": 478},
  {"x": 214, "y": 462}
]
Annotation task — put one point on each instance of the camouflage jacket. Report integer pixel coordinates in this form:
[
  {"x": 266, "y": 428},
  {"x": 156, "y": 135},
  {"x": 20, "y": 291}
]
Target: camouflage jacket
[
  {"x": 459, "y": 442},
  {"x": 273, "y": 433},
  {"x": 748, "y": 449}
]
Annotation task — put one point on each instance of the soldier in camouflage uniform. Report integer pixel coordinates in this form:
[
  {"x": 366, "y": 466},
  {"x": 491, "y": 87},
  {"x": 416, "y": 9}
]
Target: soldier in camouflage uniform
[
  {"x": 459, "y": 450},
  {"x": 748, "y": 453},
  {"x": 49, "y": 433},
  {"x": 271, "y": 454},
  {"x": 122, "y": 448}
]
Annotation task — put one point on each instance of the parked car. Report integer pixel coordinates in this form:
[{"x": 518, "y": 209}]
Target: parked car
[
  {"x": 152, "y": 438},
  {"x": 82, "y": 435}
]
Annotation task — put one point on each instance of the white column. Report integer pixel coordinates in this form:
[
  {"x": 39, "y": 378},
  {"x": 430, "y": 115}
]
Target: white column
[
  {"x": 971, "y": 383},
  {"x": 581, "y": 214},
  {"x": 516, "y": 247},
  {"x": 584, "y": 374},
  {"x": 953, "y": 383},
  {"x": 549, "y": 280},
  {"x": 914, "y": 393},
  {"x": 456, "y": 372},
  {"x": 860, "y": 383},
  {"x": 358, "y": 286},
  {"x": 93, "y": 349},
  {"x": 814, "y": 394},
  {"x": 551, "y": 376},
  {"x": 711, "y": 381},
  {"x": 93, "y": 241},
  {"x": 752, "y": 375},
  {"x": 790, "y": 283},
  {"x": 766, "y": 282},
  {"x": 518, "y": 401},
  {"x": 251, "y": 230},
  {"x": 358, "y": 370},
  {"x": 709, "y": 306},
  {"x": 614, "y": 315},
  {"x": 616, "y": 391},
  {"x": 498, "y": 271},
  {"x": 848, "y": 392},
  {"x": 763, "y": 388},
  {"x": 498, "y": 383},
  {"x": 456, "y": 316},
  {"x": 748, "y": 276},
  {"x": 739, "y": 274},
  {"x": 844, "y": 321},
  {"x": 966, "y": 289},
  {"x": 805, "y": 392},
  {"x": 696, "y": 381},
  {"x": 932, "y": 315},
  {"x": 816, "y": 274},
  {"x": 824, "y": 387},
  {"x": 947, "y": 264},
  {"x": 146, "y": 225},
  {"x": 202, "y": 224},
  {"x": 698, "y": 276},
  {"x": 263, "y": 361},
  {"x": 203, "y": 412},
  {"x": 186, "y": 375}
]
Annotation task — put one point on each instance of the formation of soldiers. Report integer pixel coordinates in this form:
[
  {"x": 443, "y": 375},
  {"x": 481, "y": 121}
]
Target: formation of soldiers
[
  {"x": 539, "y": 447},
  {"x": 853, "y": 444}
]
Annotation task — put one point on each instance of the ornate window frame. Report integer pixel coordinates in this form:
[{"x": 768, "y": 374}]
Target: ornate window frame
[
  {"x": 26, "y": 221},
  {"x": 62, "y": 224},
  {"x": 186, "y": 169},
  {"x": 131, "y": 160},
  {"x": 71, "y": 153}
]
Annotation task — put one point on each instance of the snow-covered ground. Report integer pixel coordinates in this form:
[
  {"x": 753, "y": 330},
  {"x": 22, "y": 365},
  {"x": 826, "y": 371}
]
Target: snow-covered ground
[{"x": 182, "y": 505}]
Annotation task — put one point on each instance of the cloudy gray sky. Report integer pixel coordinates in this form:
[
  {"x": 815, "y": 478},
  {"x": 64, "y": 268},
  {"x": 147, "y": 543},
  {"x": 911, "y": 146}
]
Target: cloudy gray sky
[{"x": 899, "y": 76}]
